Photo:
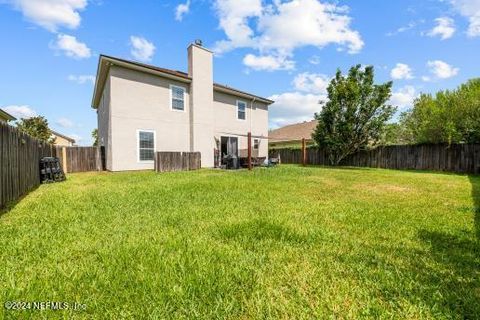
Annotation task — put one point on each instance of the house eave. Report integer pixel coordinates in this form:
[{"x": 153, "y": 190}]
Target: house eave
[
  {"x": 7, "y": 116},
  {"x": 105, "y": 62},
  {"x": 103, "y": 70},
  {"x": 238, "y": 93}
]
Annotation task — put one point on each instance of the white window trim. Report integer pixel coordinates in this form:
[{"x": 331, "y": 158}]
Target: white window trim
[
  {"x": 258, "y": 144},
  {"x": 138, "y": 145},
  {"x": 246, "y": 107},
  {"x": 184, "y": 100}
]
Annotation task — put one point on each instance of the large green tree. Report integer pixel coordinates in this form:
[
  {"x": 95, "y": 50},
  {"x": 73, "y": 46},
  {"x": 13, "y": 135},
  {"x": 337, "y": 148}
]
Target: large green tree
[
  {"x": 36, "y": 127},
  {"x": 355, "y": 114},
  {"x": 450, "y": 116}
]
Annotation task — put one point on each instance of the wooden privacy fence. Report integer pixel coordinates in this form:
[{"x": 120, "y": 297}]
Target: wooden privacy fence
[
  {"x": 460, "y": 158},
  {"x": 20, "y": 155},
  {"x": 177, "y": 161},
  {"x": 81, "y": 159}
]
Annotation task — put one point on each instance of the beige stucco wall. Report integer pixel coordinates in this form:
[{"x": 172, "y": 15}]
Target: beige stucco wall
[
  {"x": 61, "y": 141},
  {"x": 228, "y": 124},
  {"x": 141, "y": 101},
  {"x": 200, "y": 62},
  {"x": 104, "y": 132}
]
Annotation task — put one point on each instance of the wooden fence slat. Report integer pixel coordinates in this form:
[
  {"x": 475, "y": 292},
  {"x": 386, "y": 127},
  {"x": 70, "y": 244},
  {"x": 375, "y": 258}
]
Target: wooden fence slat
[
  {"x": 460, "y": 158},
  {"x": 19, "y": 163},
  {"x": 177, "y": 161}
]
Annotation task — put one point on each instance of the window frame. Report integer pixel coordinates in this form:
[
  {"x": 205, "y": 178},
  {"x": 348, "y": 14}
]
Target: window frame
[
  {"x": 246, "y": 106},
  {"x": 138, "y": 145},
  {"x": 256, "y": 144},
  {"x": 171, "y": 98}
]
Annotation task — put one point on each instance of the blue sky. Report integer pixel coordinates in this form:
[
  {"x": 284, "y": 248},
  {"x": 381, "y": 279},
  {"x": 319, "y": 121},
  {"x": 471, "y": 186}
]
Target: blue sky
[{"x": 285, "y": 50}]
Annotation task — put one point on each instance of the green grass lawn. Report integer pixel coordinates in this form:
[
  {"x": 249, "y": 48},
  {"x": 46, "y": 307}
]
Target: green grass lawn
[{"x": 285, "y": 242}]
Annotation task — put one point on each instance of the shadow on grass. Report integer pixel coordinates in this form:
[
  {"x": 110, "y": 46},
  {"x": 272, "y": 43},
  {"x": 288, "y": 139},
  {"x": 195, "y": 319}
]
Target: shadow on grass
[
  {"x": 9, "y": 206},
  {"x": 450, "y": 277},
  {"x": 258, "y": 230},
  {"x": 475, "y": 181}
]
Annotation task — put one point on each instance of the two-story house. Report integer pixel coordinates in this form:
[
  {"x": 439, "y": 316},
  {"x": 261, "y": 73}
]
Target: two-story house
[{"x": 143, "y": 109}]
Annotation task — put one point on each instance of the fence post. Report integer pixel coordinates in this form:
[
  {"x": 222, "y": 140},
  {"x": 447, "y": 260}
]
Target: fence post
[
  {"x": 249, "y": 151},
  {"x": 304, "y": 153},
  {"x": 64, "y": 159}
]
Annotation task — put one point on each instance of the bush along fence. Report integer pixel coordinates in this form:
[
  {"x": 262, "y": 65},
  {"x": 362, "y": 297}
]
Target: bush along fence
[
  {"x": 459, "y": 158},
  {"x": 177, "y": 161}
]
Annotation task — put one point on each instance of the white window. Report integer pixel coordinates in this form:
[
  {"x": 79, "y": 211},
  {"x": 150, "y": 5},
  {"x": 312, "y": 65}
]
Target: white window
[
  {"x": 146, "y": 145},
  {"x": 241, "y": 110},
  {"x": 177, "y": 98},
  {"x": 256, "y": 143}
]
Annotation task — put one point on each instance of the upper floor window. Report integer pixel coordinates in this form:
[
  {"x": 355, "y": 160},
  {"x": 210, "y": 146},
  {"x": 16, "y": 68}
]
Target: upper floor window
[
  {"x": 177, "y": 101},
  {"x": 241, "y": 110}
]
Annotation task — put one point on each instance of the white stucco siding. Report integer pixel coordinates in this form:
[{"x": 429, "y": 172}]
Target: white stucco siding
[
  {"x": 228, "y": 124},
  {"x": 142, "y": 101}
]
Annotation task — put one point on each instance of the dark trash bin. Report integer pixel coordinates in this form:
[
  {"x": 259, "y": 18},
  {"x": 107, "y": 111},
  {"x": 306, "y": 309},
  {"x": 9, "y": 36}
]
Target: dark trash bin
[
  {"x": 50, "y": 170},
  {"x": 231, "y": 161}
]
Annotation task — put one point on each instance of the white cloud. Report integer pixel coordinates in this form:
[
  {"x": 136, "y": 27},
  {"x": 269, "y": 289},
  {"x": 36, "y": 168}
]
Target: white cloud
[
  {"x": 445, "y": 28},
  {"x": 142, "y": 49},
  {"x": 280, "y": 28},
  {"x": 181, "y": 10},
  {"x": 315, "y": 60},
  {"x": 471, "y": 10},
  {"x": 82, "y": 79},
  {"x": 234, "y": 16},
  {"x": 403, "y": 97},
  {"x": 411, "y": 25},
  {"x": 293, "y": 107},
  {"x": 20, "y": 112},
  {"x": 65, "y": 123},
  {"x": 71, "y": 47},
  {"x": 441, "y": 69},
  {"x": 268, "y": 63},
  {"x": 299, "y": 104},
  {"x": 311, "y": 82},
  {"x": 51, "y": 14},
  {"x": 426, "y": 78},
  {"x": 401, "y": 71},
  {"x": 75, "y": 137}
]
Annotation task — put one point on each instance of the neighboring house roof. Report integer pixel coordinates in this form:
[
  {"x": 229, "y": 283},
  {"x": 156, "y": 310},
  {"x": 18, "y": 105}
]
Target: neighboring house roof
[
  {"x": 63, "y": 136},
  {"x": 7, "y": 116},
  {"x": 293, "y": 132},
  {"x": 105, "y": 62}
]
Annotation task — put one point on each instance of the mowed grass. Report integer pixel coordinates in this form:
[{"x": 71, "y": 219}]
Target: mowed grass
[{"x": 286, "y": 242}]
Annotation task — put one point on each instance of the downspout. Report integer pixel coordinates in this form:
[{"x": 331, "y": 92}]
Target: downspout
[
  {"x": 251, "y": 113},
  {"x": 251, "y": 116}
]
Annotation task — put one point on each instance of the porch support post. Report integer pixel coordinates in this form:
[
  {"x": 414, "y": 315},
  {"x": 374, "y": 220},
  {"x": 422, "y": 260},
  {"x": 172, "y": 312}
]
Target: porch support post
[
  {"x": 249, "y": 151},
  {"x": 64, "y": 159},
  {"x": 304, "y": 152}
]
